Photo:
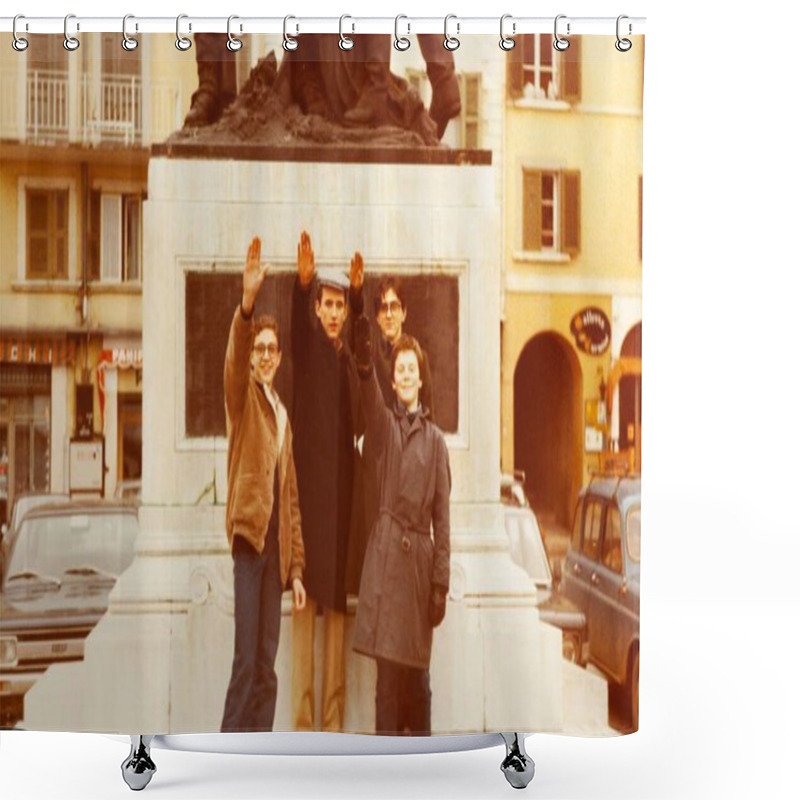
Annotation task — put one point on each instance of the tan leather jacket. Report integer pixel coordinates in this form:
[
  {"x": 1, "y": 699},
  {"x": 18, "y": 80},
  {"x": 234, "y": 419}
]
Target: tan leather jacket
[{"x": 253, "y": 456}]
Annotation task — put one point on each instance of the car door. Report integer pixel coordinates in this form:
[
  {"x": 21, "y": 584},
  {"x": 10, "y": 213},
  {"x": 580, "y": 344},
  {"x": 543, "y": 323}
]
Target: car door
[
  {"x": 582, "y": 556},
  {"x": 609, "y": 615}
]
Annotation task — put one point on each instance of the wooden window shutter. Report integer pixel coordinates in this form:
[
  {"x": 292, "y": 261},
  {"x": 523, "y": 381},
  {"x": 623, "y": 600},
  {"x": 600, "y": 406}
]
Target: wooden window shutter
[
  {"x": 93, "y": 237},
  {"x": 531, "y": 209},
  {"x": 515, "y": 71},
  {"x": 571, "y": 71},
  {"x": 47, "y": 230},
  {"x": 570, "y": 213}
]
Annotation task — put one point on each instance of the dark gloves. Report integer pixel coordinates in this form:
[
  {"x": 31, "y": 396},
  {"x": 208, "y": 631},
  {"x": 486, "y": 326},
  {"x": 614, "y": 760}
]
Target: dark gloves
[
  {"x": 363, "y": 346},
  {"x": 437, "y": 605}
]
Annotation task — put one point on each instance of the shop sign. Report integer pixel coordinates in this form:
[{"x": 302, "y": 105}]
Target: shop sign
[
  {"x": 592, "y": 331},
  {"x": 36, "y": 350}
]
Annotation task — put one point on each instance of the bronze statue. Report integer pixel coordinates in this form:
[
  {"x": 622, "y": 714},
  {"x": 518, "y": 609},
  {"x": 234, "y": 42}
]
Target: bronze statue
[{"x": 354, "y": 88}]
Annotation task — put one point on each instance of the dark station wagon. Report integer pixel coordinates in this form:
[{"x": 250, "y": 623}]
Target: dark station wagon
[
  {"x": 601, "y": 577},
  {"x": 62, "y": 564}
]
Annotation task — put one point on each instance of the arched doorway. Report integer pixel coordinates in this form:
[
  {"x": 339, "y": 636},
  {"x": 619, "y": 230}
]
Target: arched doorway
[
  {"x": 630, "y": 396},
  {"x": 548, "y": 391}
]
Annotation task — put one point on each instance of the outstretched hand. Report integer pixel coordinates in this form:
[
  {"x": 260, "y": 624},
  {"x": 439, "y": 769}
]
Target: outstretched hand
[
  {"x": 253, "y": 275},
  {"x": 357, "y": 271},
  {"x": 305, "y": 260}
]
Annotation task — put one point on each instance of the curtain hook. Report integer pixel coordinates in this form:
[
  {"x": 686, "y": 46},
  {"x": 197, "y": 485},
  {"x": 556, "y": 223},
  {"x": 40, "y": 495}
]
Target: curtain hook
[
  {"x": 506, "y": 42},
  {"x": 623, "y": 45},
  {"x": 451, "y": 42},
  {"x": 290, "y": 44},
  {"x": 70, "y": 42},
  {"x": 559, "y": 42},
  {"x": 345, "y": 42},
  {"x": 181, "y": 42},
  {"x": 401, "y": 42},
  {"x": 233, "y": 44},
  {"x": 19, "y": 44},
  {"x": 128, "y": 42}
]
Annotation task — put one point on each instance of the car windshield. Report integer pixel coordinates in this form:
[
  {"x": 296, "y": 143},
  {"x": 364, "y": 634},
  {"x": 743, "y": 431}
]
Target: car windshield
[
  {"x": 634, "y": 533},
  {"x": 92, "y": 543},
  {"x": 26, "y": 502}
]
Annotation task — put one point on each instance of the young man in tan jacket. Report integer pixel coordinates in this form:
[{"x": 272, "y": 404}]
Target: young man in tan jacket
[{"x": 263, "y": 512}]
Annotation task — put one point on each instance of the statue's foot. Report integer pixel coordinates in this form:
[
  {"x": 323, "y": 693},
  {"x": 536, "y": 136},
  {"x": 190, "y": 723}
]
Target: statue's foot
[
  {"x": 204, "y": 110},
  {"x": 369, "y": 110}
]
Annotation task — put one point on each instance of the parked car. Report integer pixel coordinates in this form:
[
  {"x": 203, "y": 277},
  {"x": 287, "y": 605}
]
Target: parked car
[
  {"x": 601, "y": 577},
  {"x": 23, "y": 503},
  {"x": 512, "y": 489},
  {"x": 528, "y": 550},
  {"x": 130, "y": 490},
  {"x": 63, "y": 562}
]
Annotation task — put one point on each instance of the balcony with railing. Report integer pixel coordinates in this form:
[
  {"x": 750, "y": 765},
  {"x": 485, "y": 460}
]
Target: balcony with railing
[{"x": 109, "y": 110}]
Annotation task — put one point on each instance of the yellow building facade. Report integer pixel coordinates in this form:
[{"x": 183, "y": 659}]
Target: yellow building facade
[
  {"x": 75, "y": 135},
  {"x": 572, "y": 263}
]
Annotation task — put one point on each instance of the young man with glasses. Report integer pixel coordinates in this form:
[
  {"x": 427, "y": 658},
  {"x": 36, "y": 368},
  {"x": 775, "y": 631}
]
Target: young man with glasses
[{"x": 263, "y": 512}]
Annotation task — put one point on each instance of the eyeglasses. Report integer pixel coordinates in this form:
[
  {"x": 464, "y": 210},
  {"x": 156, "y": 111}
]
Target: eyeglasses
[
  {"x": 266, "y": 349},
  {"x": 395, "y": 306}
]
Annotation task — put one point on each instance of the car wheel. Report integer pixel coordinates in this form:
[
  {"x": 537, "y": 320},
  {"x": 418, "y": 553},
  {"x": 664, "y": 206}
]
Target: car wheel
[{"x": 634, "y": 692}]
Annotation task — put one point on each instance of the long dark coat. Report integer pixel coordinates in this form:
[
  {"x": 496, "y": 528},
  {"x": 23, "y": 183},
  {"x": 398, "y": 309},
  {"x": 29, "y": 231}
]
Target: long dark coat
[
  {"x": 326, "y": 419},
  {"x": 403, "y": 561}
]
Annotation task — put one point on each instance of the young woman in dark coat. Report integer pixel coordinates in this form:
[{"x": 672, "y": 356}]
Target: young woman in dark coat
[{"x": 406, "y": 572}]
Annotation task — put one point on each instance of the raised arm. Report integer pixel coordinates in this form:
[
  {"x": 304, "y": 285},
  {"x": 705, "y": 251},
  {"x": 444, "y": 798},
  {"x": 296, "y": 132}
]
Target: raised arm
[
  {"x": 376, "y": 416},
  {"x": 240, "y": 338},
  {"x": 301, "y": 313}
]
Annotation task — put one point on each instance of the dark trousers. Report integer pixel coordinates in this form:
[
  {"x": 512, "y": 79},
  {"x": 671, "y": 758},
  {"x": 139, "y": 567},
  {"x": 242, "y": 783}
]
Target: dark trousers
[
  {"x": 250, "y": 703},
  {"x": 403, "y": 689}
]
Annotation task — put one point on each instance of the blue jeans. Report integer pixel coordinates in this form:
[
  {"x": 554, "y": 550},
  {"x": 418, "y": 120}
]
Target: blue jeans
[{"x": 253, "y": 688}]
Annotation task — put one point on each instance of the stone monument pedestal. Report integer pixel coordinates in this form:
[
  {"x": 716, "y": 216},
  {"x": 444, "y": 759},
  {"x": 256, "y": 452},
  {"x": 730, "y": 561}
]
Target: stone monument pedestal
[{"x": 159, "y": 661}]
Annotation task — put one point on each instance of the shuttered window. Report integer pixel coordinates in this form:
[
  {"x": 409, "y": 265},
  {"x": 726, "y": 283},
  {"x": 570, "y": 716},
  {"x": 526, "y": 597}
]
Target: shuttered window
[
  {"x": 46, "y": 219},
  {"x": 537, "y": 71},
  {"x": 551, "y": 206}
]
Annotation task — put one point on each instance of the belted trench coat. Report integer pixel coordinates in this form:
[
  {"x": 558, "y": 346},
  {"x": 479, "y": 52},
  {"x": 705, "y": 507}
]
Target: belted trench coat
[{"x": 409, "y": 546}]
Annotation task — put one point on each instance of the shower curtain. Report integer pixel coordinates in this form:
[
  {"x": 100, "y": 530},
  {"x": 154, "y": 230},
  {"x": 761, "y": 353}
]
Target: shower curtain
[{"x": 320, "y": 385}]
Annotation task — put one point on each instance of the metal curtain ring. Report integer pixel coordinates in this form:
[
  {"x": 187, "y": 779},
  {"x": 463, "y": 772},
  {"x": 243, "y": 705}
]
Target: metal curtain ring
[
  {"x": 506, "y": 42},
  {"x": 290, "y": 44},
  {"x": 181, "y": 42},
  {"x": 559, "y": 42},
  {"x": 345, "y": 42},
  {"x": 450, "y": 42},
  {"x": 623, "y": 45},
  {"x": 19, "y": 44},
  {"x": 128, "y": 42},
  {"x": 233, "y": 44},
  {"x": 401, "y": 42},
  {"x": 70, "y": 42}
]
